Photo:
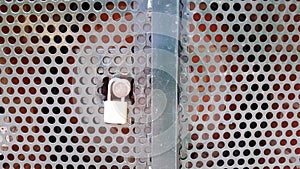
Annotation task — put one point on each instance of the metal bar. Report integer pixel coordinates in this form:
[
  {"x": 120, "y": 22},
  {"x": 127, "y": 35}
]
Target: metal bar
[{"x": 165, "y": 21}]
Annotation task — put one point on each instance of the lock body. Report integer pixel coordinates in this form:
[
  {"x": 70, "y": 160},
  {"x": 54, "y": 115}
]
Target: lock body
[{"x": 115, "y": 112}]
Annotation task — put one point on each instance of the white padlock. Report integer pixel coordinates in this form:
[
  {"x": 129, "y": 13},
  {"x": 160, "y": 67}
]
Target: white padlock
[{"x": 116, "y": 111}]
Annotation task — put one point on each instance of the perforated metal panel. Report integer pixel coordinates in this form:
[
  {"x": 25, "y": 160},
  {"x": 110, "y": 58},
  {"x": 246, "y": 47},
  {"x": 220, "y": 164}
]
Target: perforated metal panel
[
  {"x": 56, "y": 58},
  {"x": 240, "y": 84},
  {"x": 237, "y": 78}
]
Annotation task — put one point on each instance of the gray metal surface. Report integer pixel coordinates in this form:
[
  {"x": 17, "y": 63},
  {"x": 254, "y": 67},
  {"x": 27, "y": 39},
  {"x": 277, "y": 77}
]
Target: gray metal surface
[
  {"x": 165, "y": 21},
  {"x": 239, "y": 84},
  {"x": 55, "y": 56},
  {"x": 215, "y": 84}
]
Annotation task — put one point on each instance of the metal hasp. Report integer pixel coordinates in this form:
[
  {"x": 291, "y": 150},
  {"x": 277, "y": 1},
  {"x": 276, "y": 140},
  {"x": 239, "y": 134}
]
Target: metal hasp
[
  {"x": 165, "y": 19},
  {"x": 115, "y": 112}
]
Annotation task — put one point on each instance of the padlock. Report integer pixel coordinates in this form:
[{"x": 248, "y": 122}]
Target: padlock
[{"x": 116, "y": 111}]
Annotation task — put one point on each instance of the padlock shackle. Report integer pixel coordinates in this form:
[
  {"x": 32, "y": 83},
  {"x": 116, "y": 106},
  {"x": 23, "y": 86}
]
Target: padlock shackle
[{"x": 110, "y": 83}]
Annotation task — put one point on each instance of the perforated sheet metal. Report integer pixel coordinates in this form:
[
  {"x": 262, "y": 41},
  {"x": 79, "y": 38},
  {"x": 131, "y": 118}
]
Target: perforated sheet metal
[
  {"x": 239, "y": 84},
  {"x": 55, "y": 61}
]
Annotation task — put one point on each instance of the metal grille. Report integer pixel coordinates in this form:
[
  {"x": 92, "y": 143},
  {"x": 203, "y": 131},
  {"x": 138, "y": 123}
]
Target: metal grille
[
  {"x": 239, "y": 84},
  {"x": 56, "y": 58}
]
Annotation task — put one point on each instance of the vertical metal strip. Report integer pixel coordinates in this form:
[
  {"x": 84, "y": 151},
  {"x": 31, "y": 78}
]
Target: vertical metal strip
[{"x": 164, "y": 95}]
